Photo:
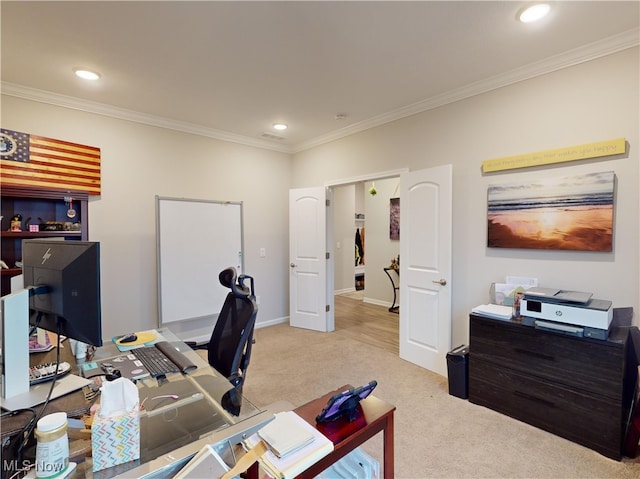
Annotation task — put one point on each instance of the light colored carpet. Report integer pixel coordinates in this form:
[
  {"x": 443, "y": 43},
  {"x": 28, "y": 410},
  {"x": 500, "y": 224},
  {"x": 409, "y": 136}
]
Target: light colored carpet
[{"x": 436, "y": 435}]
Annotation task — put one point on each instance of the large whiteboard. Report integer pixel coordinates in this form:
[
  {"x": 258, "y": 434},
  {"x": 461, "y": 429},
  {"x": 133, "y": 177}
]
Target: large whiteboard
[{"x": 196, "y": 239}]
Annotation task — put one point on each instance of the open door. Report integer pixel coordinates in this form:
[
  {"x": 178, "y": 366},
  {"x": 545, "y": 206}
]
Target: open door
[
  {"x": 310, "y": 304},
  {"x": 425, "y": 267}
]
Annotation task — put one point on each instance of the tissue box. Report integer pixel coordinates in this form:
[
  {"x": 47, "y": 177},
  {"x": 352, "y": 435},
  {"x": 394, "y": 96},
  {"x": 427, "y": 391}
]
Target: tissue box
[{"x": 115, "y": 440}]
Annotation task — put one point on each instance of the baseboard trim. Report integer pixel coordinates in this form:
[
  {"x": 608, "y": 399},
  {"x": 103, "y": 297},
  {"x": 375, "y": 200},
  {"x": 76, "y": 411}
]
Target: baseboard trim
[{"x": 271, "y": 322}]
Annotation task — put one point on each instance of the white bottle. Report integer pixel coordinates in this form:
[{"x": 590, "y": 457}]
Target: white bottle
[
  {"x": 81, "y": 350},
  {"x": 52, "y": 449}
]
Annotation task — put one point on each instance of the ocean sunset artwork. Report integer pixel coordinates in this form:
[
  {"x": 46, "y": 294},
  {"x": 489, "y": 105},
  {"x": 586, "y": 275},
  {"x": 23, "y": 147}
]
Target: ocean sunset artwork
[{"x": 568, "y": 213}]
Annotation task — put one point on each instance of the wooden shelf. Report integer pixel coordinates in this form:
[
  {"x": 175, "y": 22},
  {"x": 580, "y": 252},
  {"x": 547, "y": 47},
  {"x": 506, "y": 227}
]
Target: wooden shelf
[
  {"x": 38, "y": 206},
  {"x": 11, "y": 272},
  {"x": 40, "y": 234}
]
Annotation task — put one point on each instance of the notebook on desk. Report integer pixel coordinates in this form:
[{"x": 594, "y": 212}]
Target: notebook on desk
[{"x": 292, "y": 464}]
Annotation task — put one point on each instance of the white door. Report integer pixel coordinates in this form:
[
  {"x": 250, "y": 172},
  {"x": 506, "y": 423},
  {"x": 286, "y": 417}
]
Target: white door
[
  {"x": 310, "y": 306},
  {"x": 425, "y": 267}
]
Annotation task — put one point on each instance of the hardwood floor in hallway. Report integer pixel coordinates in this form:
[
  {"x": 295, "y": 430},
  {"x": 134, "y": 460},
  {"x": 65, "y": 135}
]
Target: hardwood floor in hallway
[{"x": 368, "y": 323}]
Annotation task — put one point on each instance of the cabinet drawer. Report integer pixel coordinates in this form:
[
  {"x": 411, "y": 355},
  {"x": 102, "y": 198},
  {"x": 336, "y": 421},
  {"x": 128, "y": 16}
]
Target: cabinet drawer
[
  {"x": 592, "y": 421},
  {"x": 590, "y": 365}
]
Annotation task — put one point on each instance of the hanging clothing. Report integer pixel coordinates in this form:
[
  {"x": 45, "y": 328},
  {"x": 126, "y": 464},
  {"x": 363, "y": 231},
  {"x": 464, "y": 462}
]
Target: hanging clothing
[{"x": 359, "y": 249}]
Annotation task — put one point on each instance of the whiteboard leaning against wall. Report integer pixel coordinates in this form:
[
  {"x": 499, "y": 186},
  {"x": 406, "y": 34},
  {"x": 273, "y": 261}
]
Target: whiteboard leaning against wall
[{"x": 196, "y": 239}]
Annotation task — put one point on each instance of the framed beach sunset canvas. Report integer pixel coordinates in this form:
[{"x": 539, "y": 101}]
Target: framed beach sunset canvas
[{"x": 567, "y": 213}]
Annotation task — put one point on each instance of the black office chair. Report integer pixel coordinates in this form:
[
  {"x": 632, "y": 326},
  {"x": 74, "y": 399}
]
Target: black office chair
[{"x": 229, "y": 348}]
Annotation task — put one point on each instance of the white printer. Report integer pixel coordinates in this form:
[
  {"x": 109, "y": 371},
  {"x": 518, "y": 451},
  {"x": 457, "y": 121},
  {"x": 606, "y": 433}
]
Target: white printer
[{"x": 571, "y": 312}]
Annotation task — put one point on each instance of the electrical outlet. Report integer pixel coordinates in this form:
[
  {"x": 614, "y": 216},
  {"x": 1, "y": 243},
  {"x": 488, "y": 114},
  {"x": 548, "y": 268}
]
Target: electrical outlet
[{"x": 263, "y": 252}]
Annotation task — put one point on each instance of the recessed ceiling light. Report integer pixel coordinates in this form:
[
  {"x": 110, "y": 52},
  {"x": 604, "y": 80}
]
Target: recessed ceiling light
[
  {"x": 533, "y": 13},
  {"x": 86, "y": 74},
  {"x": 279, "y": 126}
]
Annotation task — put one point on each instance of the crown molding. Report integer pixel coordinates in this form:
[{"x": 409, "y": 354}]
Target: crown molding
[
  {"x": 380, "y": 175},
  {"x": 88, "y": 106},
  {"x": 592, "y": 51}
]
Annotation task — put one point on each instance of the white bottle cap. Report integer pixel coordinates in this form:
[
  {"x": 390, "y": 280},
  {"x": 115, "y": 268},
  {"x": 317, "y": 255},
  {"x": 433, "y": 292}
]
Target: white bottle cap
[{"x": 52, "y": 421}]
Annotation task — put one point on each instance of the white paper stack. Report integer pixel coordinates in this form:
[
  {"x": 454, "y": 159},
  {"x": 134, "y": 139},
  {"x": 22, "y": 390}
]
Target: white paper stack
[
  {"x": 284, "y": 435},
  {"x": 297, "y": 459},
  {"x": 495, "y": 311}
]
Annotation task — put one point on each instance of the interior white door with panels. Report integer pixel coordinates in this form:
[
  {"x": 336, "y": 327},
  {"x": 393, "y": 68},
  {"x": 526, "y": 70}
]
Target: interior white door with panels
[
  {"x": 425, "y": 267},
  {"x": 310, "y": 305}
]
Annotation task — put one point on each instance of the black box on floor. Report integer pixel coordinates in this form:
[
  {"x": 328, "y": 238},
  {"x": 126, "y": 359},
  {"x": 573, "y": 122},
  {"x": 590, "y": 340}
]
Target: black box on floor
[{"x": 458, "y": 371}]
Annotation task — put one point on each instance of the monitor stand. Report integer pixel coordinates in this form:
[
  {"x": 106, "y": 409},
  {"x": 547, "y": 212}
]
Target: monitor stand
[
  {"x": 38, "y": 394},
  {"x": 16, "y": 393}
]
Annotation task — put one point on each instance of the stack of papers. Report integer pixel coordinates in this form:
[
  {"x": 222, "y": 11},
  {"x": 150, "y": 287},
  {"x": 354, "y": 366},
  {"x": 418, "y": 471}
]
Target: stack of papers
[
  {"x": 303, "y": 445},
  {"x": 495, "y": 311},
  {"x": 283, "y": 435}
]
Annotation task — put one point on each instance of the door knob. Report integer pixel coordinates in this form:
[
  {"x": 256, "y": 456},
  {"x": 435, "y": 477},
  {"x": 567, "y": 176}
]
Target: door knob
[
  {"x": 293, "y": 265},
  {"x": 441, "y": 282}
]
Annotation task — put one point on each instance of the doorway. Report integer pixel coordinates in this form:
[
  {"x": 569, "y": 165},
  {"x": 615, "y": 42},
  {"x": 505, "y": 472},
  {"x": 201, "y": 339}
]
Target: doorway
[
  {"x": 362, "y": 249},
  {"x": 363, "y": 245},
  {"x": 425, "y": 302}
]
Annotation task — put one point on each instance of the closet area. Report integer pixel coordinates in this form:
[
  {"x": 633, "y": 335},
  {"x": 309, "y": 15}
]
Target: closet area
[{"x": 363, "y": 243}]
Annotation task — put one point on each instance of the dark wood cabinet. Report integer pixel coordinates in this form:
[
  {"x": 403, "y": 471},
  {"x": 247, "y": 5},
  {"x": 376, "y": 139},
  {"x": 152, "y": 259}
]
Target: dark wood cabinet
[
  {"x": 38, "y": 207},
  {"x": 578, "y": 388}
]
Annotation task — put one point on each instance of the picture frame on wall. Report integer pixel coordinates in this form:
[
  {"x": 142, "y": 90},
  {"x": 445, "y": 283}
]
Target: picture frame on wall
[
  {"x": 566, "y": 213},
  {"x": 394, "y": 218}
]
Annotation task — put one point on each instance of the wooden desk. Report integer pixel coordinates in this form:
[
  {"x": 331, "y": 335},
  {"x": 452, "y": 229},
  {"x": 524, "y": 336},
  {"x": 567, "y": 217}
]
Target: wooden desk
[
  {"x": 74, "y": 404},
  {"x": 375, "y": 415}
]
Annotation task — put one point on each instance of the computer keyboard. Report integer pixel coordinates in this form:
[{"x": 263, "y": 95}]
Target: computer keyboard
[
  {"x": 46, "y": 372},
  {"x": 162, "y": 358}
]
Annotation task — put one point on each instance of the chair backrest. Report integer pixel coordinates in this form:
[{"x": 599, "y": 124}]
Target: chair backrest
[{"x": 229, "y": 349}]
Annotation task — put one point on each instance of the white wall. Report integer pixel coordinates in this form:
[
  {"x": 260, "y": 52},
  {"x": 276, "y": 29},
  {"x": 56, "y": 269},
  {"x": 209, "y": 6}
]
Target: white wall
[
  {"x": 343, "y": 237},
  {"x": 593, "y": 101},
  {"x": 139, "y": 162},
  {"x": 343, "y": 233}
]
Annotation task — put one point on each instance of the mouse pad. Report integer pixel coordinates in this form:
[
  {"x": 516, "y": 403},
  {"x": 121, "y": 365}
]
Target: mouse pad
[{"x": 145, "y": 338}]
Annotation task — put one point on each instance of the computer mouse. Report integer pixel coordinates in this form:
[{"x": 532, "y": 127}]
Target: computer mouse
[{"x": 129, "y": 338}]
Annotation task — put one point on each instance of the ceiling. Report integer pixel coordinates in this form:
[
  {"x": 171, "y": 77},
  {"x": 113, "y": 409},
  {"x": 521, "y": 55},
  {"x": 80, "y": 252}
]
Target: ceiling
[{"x": 230, "y": 70}]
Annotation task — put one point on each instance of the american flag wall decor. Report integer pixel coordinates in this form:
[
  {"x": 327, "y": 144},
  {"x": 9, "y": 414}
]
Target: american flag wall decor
[{"x": 31, "y": 160}]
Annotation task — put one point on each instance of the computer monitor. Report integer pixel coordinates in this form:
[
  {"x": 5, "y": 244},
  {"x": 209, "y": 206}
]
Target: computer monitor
[{"x": 65, "y": 281}]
